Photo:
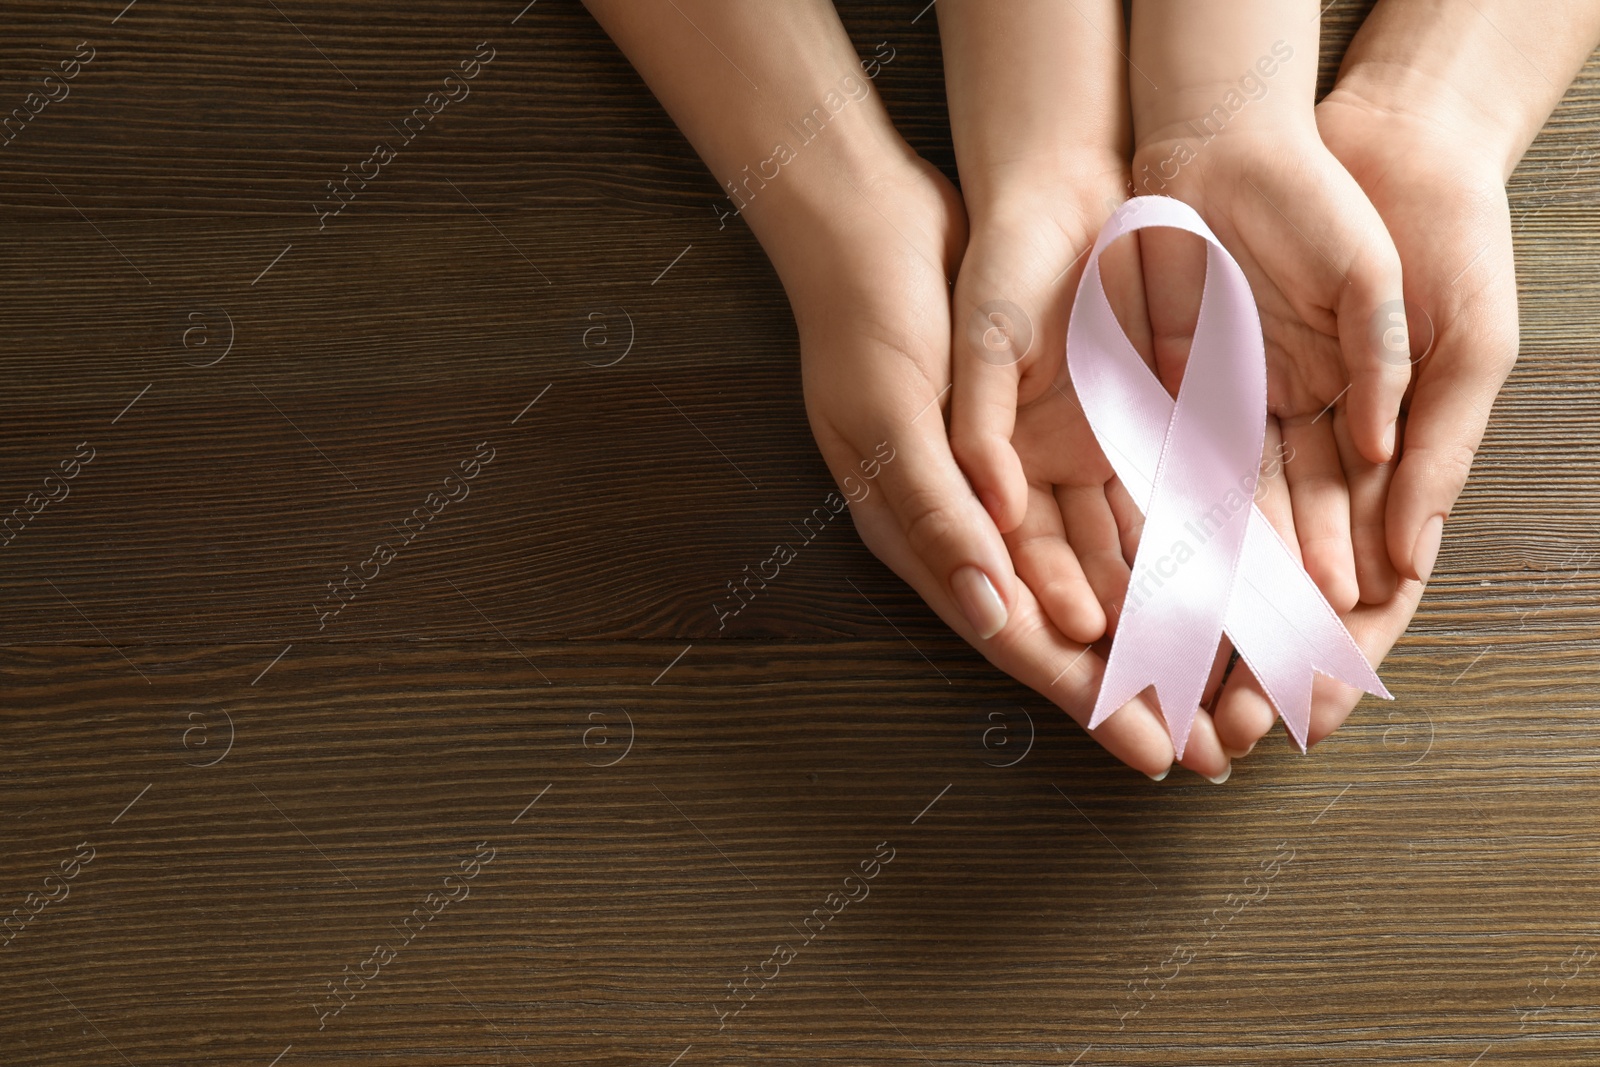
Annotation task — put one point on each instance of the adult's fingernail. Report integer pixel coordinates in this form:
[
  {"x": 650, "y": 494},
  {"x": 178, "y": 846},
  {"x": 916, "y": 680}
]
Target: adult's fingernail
[
  {"x": 1233, "y": 754},
  {"x": 979, "y": 602},
  {"x": 1219, "y": 779},
  {"x": 1427, "y": 547},
  {"x": 1159, "y": 777},
  {"x": 1388, "y": 438}
]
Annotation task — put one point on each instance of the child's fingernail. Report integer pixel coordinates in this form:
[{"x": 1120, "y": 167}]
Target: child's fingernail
[
  {"x": 979, "y": 602},
  {"x": 1427, "y": 547},
  {"x": 1160, "y": 777},
  {"x": 1219, "y": 779},
  {"x": 1388, "y": 439}
]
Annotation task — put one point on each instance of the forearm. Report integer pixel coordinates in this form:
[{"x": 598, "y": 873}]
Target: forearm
[
  {"x": 1201, "y": 65},
  {"x": 1490, "y": 70},
  {"x": 772, "y": 96},
  {"x": 1037, "y": 93}
]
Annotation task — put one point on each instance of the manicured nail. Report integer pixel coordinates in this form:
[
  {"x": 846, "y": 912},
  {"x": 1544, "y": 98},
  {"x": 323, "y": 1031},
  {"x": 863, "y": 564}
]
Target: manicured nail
[
  {"x": 1233, "y": 754},
  {"x": 1160, "y": 777},
  {"x": 1219, "y": 779},
  {"x": 1388, "y": 439},
  {"x": 1427, "y": 548},
  {"x": 979, "y": 602}
]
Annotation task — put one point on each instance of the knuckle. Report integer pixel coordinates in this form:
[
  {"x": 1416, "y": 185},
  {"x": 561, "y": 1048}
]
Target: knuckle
[
  {"x": 999, "y": 333},
  {"x": 1010, "y": 647},
  {"x": 1317, "y": 482},
  {"x": 1449, "y": 465},
  {"x": 932, "y": 524},
  {"x": 975, "y": 449},
  {"x": 1326, "y": 537}
]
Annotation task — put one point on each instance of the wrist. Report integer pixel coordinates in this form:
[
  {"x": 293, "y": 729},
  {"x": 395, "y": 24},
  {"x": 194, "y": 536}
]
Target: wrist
[
  {"x": 1271, "y": 95},
  {"x": 815, "y": 220},
  {"x": 805, "y": 176},
  {"x": 1178, "y": 164},
  {"x": 1037, "y": 92},
  {"x": 1089, "y": 182},
  {"x": 1418, "y": 103},
  {"x": 1236, "y": 64}
]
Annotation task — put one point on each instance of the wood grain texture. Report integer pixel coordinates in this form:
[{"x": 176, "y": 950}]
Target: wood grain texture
[{"x": 267, "y": 800}]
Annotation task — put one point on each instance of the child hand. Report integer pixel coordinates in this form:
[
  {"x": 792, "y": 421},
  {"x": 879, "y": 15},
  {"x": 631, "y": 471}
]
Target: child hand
[
  {"x": 1322, "y": 268},
  {"x": 1076, "y": 529},
  {"x": 1224, "y": 120},
  {"x": 1039, "y": 119},
  {"x": 1012, "y": 297}
]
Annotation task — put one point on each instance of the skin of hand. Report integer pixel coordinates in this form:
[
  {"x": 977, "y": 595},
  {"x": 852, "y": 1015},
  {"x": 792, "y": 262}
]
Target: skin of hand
[
  {"x": 776, "y": 101},
  {"x": 1079, "y": 530},
  {"x": 1039, "y": 117},
  {"x": 1401, "y": 119},
  {"x": 1231, "y": 131},
  {"x": 866, "y": 238},
  {"x": 875, "y": 348},
  {"x": 1434, "y": 106},
  {"x": 1037, "y": 93}
]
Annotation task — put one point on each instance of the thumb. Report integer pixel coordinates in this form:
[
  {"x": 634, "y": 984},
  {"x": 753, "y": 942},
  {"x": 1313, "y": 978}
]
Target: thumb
[
  {"x": 1443, "y": 428},
  {"x": 996, "y": 342},
  {"x": 943, "y": 523}
]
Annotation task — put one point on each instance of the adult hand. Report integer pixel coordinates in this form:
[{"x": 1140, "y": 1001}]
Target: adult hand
[
  {"x": 1446, "y": 209},
  {"x": 869, "y": 282}
]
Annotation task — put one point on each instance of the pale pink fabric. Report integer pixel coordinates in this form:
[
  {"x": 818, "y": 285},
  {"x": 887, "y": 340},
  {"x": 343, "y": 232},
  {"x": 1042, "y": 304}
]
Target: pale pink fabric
[{"x": 1208, "y": 561}]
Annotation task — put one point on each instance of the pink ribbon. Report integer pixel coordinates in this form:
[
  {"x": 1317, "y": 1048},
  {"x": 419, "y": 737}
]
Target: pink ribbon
[{"x": 1208, "y": 561}]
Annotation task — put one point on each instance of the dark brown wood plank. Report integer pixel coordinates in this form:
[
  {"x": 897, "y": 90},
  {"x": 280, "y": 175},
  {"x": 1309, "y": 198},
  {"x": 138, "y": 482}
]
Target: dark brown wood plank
[{"x": 267, "y": 800}]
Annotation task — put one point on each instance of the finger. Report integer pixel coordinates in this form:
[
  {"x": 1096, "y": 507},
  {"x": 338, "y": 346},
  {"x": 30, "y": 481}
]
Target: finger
[
  {"x": 1374, "y": 339},
  {"x": 946, "y": 527},
  {"x": 1130, "y": 527},
  {"x": 1130, "y": 520},
  {"x": 1202, "y": 752},
  {"x": 1174, "y": 264},
  {"x": 1369, "y": 492},
  {"x": 1376, "y": 628},
  {"x": 983, "y": 412},
  {"x": 1031, "y": 650},
  {"x": 1242, "y": 714},
  {"x": 1047, "y": 565},
  {"x": 1455, "y": 390},
  {"x": 1006, "y": 344},
  {"x": 1135, "y": 733},
  {"x": 1272, "y": 488},
  {"x": 1091, "y": 530},
  {"x": 1321, "y": 505},
  {"x": 1219, "y": 669}
]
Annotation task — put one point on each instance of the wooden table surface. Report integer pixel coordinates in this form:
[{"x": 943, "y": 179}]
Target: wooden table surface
[{"x": 516, "y": 795}]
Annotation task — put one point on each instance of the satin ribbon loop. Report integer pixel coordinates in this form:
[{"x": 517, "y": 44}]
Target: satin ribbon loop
[{"x": 1208, "y": 562}]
